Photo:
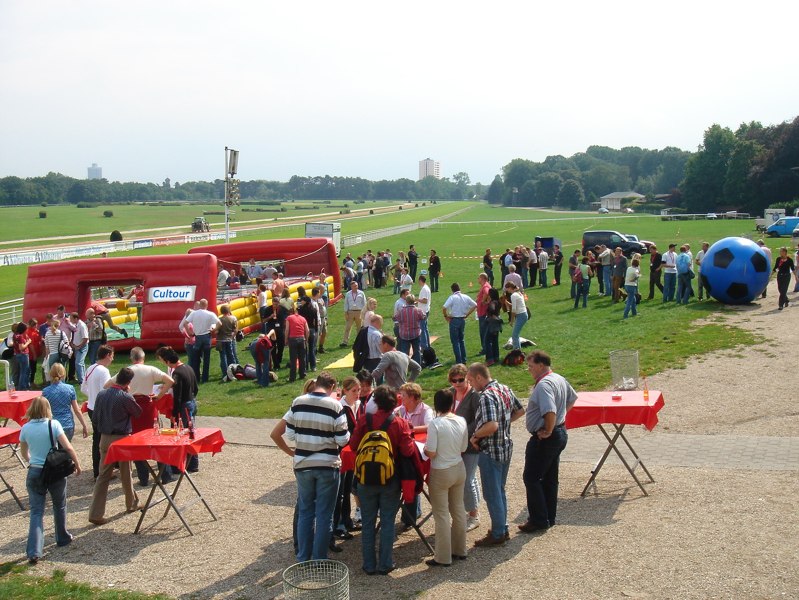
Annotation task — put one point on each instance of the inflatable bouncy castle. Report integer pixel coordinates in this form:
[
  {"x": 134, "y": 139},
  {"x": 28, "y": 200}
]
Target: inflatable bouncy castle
[{"x": 148, "y": 296}]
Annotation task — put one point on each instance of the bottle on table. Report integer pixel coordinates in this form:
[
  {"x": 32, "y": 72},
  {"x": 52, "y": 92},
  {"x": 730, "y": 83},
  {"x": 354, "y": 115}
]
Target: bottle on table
[
  {"x": 191, "y": 428},
  {"x": 156, "y": 428},
  {"x": 646, "y": 391},
  {"x": 12, "y": 390}
]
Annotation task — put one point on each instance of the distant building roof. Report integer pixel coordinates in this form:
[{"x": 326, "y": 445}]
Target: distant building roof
[{"x": 622, "y": 195}]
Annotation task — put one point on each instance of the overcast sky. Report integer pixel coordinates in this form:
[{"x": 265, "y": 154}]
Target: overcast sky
[{"x": 156, "y": 89}]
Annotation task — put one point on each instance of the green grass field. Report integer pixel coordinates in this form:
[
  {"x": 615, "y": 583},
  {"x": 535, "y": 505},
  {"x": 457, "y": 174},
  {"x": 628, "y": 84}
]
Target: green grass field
[
  {"x": 579, "y": 341},
  {"x": 17, "y": 584}
]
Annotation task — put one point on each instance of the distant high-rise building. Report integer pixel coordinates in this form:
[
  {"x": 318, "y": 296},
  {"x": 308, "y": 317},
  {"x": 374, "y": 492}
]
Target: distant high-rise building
[
  {"x": 429, "y": 168},
  {"x": 95, "y": 172}
]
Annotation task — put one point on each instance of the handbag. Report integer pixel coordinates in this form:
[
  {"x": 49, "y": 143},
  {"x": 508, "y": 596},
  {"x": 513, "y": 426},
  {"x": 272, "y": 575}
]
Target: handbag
[
  {"x": 64, "y": 349},
  {"x": 58, "y": 463}
]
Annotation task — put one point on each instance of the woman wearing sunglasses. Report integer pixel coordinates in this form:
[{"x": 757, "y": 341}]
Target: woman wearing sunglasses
[{"x": 466, "y": 400}]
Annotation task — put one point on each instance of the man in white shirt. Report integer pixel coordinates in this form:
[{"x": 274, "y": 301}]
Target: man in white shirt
[
  {"x": 221, "y": 279},
  {"x": 145, "y": 377},
  {"x": 94, "y": 382},
  {"x": 80, "y": 345},
  {"x": 669, "y": 274},
  {"x": 543, "y": 263},
  {"x": 354, "y": 303},
  {"x": 700, "y": 256},
  {"x": 423, "y": 300},
  {"x": 456, "y": 309},
  {"x": 204, "y": 322}
]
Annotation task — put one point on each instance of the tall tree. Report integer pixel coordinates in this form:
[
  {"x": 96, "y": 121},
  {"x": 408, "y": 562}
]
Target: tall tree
[
  {"x": 571, "y": 195},
  {"x": 547, "y": 189},
  {"x": 495, "y": 191},
  {"x": 706, "y": 171}
]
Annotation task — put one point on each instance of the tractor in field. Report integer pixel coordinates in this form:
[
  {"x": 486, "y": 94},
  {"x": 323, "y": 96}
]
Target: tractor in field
[{"x": 200, "y": 225}]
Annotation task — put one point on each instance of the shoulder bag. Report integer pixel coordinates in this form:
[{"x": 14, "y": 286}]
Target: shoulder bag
[
  {"x": 64, "y": 349},
  {"x": 58, "y": 463}
]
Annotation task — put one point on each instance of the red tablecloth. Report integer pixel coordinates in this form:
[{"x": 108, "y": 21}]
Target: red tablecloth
[
  {"x": 169, "y": 449},
  {"x": 596, "y": 408},
  {"x": 9, "y": 436},
  {"x": 15, "y": 408},
  {"x": 164, "y": 405}
]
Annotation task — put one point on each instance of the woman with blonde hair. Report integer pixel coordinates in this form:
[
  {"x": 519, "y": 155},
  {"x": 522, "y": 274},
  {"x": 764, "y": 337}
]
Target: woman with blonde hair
[
  {"x": 35, "y": 444},
  {"x": 63, "y": 401},
  {"x": 368, "y": 311}
]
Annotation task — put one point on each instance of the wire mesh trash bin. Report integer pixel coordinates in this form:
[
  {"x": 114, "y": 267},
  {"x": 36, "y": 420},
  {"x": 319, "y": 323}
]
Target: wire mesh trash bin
[
  {"x": 624, "y": 369},
  {"x": 317, "y": 580}
]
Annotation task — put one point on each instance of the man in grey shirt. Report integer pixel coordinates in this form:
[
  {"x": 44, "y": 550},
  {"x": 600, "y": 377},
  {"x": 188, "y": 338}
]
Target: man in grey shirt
[
  {"x": 545, "y": 420},
  {"x": 397, "y": 367}
]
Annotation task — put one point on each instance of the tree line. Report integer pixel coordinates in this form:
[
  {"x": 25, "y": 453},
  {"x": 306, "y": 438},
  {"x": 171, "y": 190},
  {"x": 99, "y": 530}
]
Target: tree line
[
  {"x": 55, "y": 188},
  {"x": 748, "y": 170}
]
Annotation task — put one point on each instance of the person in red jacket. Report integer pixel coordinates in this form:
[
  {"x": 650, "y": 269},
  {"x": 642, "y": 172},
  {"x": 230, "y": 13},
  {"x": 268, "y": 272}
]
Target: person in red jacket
[
  {"x": 35, "y": 350},
  {"x": 382, "y": 498}
]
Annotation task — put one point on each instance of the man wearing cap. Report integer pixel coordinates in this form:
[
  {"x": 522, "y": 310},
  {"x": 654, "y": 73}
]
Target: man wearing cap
[{"x": 669, "y": 274}]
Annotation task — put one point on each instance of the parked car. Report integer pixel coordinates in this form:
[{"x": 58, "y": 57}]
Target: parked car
[
  {"x": 711, "y": 216},
  {"x": 634, "y": 238},
  {"x": 603, "y": 211},
  {"x": 628, "y": 210},
  {"x": 783, "y": 226},
  {"x": 613, "y": 240}
]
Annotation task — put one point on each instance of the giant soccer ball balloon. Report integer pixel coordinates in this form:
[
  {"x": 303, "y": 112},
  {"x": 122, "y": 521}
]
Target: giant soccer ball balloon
[{"x": 736, "y": 270}]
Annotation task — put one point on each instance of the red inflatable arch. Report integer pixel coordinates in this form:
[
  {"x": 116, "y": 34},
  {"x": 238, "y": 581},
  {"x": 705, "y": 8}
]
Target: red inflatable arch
[
  {"x": 172, "y": 284},
  {"x": 301, "y": 258}
]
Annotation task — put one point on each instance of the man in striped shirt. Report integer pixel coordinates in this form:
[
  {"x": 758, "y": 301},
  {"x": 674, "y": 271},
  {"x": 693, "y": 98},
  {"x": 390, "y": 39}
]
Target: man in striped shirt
[{"x": 317, "y": 424}]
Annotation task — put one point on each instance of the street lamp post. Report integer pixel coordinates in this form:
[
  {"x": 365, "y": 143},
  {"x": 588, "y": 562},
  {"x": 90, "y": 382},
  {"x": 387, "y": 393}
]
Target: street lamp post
[{"x": 231, "y": 186}]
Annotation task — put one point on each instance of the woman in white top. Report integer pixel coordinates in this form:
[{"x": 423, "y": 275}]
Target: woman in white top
[
  {"x": 447, "y": 439},
  {"x": 518, "y": 311},
  {"x": 261, "y": 296},
  {"x": 631, "y": 287},
  {"x": 368, "y": 311}
]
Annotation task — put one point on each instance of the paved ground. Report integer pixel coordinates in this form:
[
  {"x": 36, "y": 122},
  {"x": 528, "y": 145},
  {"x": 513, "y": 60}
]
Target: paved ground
[{"x": 587, "y": 445}]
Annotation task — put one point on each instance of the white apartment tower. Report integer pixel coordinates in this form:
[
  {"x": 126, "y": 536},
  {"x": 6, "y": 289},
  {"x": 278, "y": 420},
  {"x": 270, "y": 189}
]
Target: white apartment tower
[
  {"x": 429, "y": 168},
  {"x": 95, "y": 172}
]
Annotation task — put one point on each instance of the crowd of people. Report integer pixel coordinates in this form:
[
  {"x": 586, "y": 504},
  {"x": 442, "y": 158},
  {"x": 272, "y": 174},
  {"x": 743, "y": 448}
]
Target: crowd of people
[{"x": 375, "y": 442}]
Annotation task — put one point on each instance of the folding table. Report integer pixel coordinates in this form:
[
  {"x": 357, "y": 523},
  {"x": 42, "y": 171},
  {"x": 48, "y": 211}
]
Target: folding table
[
  {"x": 167, "y": 450},
  {"x": 599, "y": 408},
  {"x": 14, "y": 407},
  {"x": 10, "y": 437}
]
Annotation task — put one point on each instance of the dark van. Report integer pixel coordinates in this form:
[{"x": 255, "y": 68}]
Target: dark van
[{"x": 613, "y": 240}]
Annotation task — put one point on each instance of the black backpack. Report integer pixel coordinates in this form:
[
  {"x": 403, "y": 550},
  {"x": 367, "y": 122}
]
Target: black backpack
[
  {"x": 429, "y": 357},
  {"x": 360, "y": 349}
]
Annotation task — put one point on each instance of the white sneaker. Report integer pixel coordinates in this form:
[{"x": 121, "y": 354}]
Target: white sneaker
[{"x": 472, "y": 523}]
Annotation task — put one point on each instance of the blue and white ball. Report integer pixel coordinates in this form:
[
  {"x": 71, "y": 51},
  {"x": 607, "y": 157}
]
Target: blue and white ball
[{"x": 736, "y": 270}]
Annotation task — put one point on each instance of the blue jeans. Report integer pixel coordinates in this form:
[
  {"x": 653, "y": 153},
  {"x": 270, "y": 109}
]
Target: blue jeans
[
  {"x": 471, "y": 492},
  {"x": 296, "y": 354},
  {"x": 457, "y": 325},
  {"x": 542, "y": 277},
  {"x": 525, "y": 280},
  {"x": 669, "y": 283},
  {"x": 226, "y": 356},
  {"x": 424, "y": 339},
  {"x": 80, "y": 362},
  {"x": 316, "y": 498},
  {"x": 684, "y": 288},
  {"x": 310, "y": 352},
  {"x": 384, "y": 499},
  {"x": 37, "y": 497},
  {"x": 606, "y": 276},
  {"x": 490, "y": 273},
  {"x": 94, "y": 346},
  {"x": 582, "y": 292},
  {"x": 541, "y": 464},
  {"x": 493, "y": 475},
  {"x": 481, "y": 323},
  {"x": 518, "y": 322},
  {"x": 24, "y": 363},
  {"x": 202, "y": 353},
  {"x": 405, "y": 346},
  {"x": 631, "y": 290}
]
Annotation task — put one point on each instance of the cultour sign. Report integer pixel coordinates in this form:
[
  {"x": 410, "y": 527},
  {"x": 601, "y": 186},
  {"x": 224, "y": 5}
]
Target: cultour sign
[{"x": 174, "y": 293}]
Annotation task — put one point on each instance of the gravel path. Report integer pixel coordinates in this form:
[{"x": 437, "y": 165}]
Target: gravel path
[{"x": 702, "y": 532}]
